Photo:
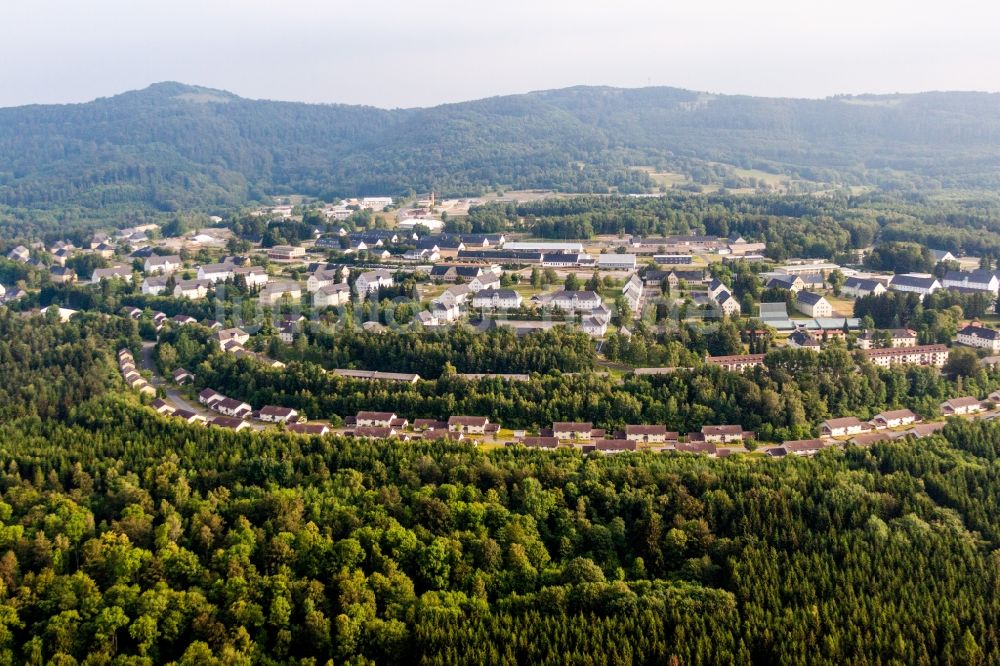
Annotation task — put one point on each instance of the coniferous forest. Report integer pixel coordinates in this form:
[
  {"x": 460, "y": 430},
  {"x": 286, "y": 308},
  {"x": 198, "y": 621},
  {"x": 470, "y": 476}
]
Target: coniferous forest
[{"x": 128, "y": 538}]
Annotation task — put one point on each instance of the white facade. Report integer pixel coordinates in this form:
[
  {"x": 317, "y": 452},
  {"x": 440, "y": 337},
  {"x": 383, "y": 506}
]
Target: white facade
[
  {"x": 332, "y": 295},
  {"x": 499, "y": 299},
  {"x": 373, "y": 281},
  {"x": 576, "y": 301},
  {"x": 616, "y": 262},
  {"x": 979, "y": 336},
  {"x": 164, "y": 265},
  {"x": 216, "y": 272}
]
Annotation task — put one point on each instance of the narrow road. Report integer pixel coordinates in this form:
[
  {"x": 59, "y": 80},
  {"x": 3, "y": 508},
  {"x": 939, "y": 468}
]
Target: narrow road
[{"x": 173, "y": 395}]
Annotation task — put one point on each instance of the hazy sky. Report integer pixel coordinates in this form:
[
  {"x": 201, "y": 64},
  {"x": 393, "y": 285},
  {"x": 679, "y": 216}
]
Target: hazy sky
[{"x": 422, "y": 52}]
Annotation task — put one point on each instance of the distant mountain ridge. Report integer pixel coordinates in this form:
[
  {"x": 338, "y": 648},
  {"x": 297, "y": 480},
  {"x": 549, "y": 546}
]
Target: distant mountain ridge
[{"x": 172, "y": 145}]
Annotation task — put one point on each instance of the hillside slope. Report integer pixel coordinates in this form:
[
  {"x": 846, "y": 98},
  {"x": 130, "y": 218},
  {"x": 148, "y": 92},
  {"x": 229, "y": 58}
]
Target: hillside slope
[{"x": 173, "y": 146}]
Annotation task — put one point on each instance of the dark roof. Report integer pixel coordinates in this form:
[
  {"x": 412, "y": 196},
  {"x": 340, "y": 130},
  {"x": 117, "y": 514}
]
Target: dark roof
[
  {"x": 980, "y": 332},
  {"x": 913, "y": 281},
  {"x": 809, "y": 298}
]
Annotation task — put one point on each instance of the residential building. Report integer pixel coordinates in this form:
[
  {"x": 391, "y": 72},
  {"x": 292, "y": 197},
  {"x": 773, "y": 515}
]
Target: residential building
[
  {"x": 894, "y": 418},
  {"x": 724, "y": 433},
  {"x": 802, "y": 339},
  {"x": 812, "y": 304},
  {"x": 728, "y": 304},
  {"x": 792, "y": 283},
  {"x": 232, "y": 407},
  {"x": 19, "y": 254},
  {"x": 977, "y": 280},
  {"x": 216, "y": 272},
  {"x": 253, "y": 276},
  {"x": 231, "y": 423},
  {"x": 273, "y": 414},
  {"x": 314, "y": 429},
  {"x": 237, "y": 335},
  {"x": 961, "y": 406},
  {"x": 650, "y": 433},
  {"x": 484, "y": 281},
  {"x": 209, "y": 397},
  {"x": 977, "y": 335},
  {"x": 274, "y": 292},
  {"x": 468, "y": 424},
  {"x": 575, "y": 301},
  {"x": 114, "y": 273},
  {"x": 840, "y": 427},
  {"x": 572, "y": 430},
  {"x": 182, "y": 376},
  {"x": 455, "y": 272},
  {"x": 322, "y": 278},
  {"x": 934, "y": 355},
  {"x": 157, "y": 265},
  {"x": 897, "y": 337},
  {"x": 332, "y": 295},
  {"x": 154, "y": 285},
  {"x": 497, "y": 299},
  {"x": 61, "y": 275},
  {"x": 373, "y": 281},
  {"x": 861, "y": 287},
  {"x": 916, "y": 284},
  {"x": 736, "y": 362},
  {"x": 375, "y": 419},
  {"x": 544, "y": 246},
  {"x": 594, "y": 326},
  {"x": 192, "y": 289}
]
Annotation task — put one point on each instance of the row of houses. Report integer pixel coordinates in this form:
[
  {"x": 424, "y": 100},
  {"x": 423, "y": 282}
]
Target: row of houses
[
  {"x": 931, "y": 355},
  {"x": 852, "y": 425},
  {"x": 238, "y": 409},
  {"x": 135, "y": 381}
]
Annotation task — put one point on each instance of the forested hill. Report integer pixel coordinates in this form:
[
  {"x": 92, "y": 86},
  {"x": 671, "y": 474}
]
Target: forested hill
[{"x": 172, "y": 146}]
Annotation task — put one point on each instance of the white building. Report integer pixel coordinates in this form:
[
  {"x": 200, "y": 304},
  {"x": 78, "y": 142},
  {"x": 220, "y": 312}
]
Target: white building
[
  {"x": 861, "y": 287},
  {"x": 960, "y": 406},
  {"x": 544, "y": 246},
  {"x": 975, "y": 335},
  {"x": 275, "y": 291},
  {"x": 253, "y": 276},
  {"x": 376, "y": 203},
  {"x": 335, "y": 294},
  {"x": 166, "y": 265},
  {"x": 616, "y": 262},
  {"x": 115, "y": 273},
  {"x": 848, "y": 425},
  {"x": 322, "y": 278},
  {"x": 813, "y": 305},
  {"x": 575, "y": 301},
  {"x": 916, "y": 284},
  {"x": 216, "y": 272},
  {"x": 978, "y": 280},
  {"x": 933, "y": 355},
  {"x": 373, "y": 281},
  {"x": 728, "y": 304},
  {"x": 192, "y": 289},
  {"x": 497, "y": 299},
  {"x": 154, "y": 286}
]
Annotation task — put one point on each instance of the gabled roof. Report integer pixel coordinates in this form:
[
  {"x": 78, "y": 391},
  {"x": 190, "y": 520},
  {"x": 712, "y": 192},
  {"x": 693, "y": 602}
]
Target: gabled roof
[{"x": 809, "y": 298}]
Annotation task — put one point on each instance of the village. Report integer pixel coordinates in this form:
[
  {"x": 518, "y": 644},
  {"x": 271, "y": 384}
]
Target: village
[{"x": 472, "y": 278}]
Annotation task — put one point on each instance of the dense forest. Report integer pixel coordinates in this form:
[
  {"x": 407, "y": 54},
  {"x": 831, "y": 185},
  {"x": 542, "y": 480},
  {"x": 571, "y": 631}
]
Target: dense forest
[
  {"x": 172, "y": 147},
  {"x": 130, "y": 538}
]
